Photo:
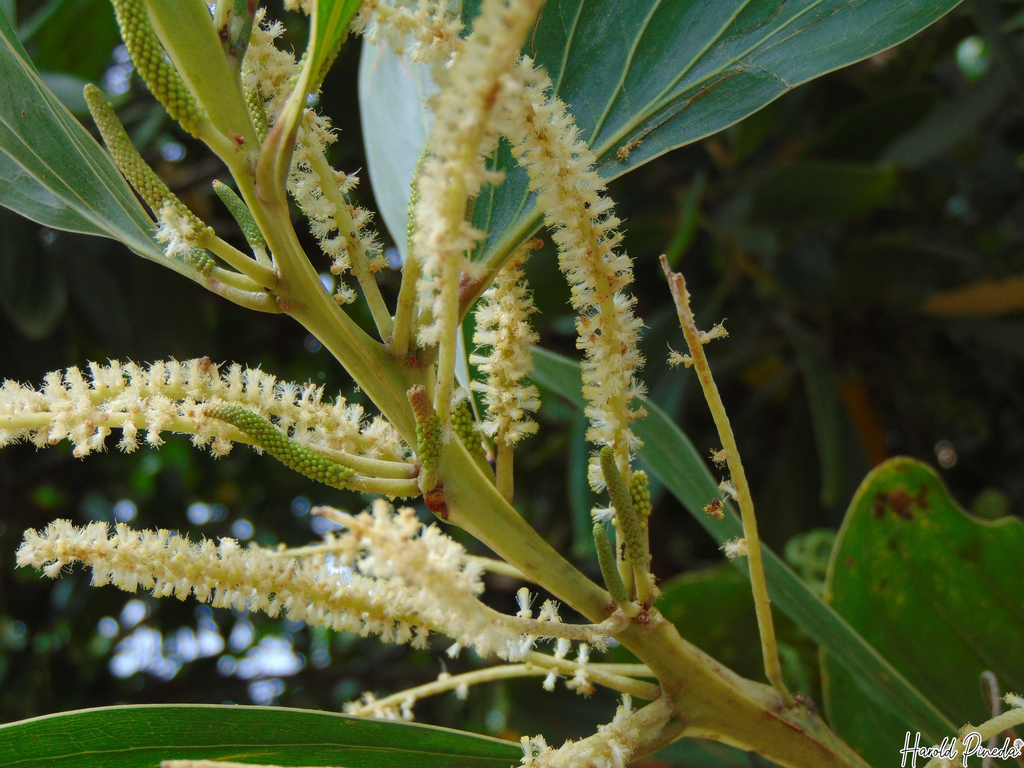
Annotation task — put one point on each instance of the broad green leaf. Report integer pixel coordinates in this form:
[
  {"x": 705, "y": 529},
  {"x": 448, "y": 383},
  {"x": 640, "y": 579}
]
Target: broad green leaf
[
  {"x": 393, "y": 112},
  {"x": 330, "y": 25},
  {"x": 673, "y": 458},
  {"x": 714, "y": 609},
  {"x": 666, "y": 74},
  {"x": 69, "y": 89},
  {"x": 52, "y": 171},
  {"x": 937, "y": 591},
  {"x": 142, "y": 736}
]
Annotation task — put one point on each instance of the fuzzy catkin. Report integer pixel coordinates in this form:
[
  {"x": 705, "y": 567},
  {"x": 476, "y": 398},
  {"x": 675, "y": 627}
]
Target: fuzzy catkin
[
  {"x": 387, "y": 575},
  {"x": 169, "y": 395},
  {"x": 546, "y": 141},
  {"x": 503, "y": 329}
]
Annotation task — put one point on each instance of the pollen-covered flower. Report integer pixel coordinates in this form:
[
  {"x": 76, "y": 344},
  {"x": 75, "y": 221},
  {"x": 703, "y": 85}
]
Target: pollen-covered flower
[
  {"x": 570, "y": 193},
  {"x": 463, "y": 136},
  {"x": 611, "y": 747},
  {"x": 503, "y": 325},
  {"x": 169, "y": 396},
  {"x": 433, "y": 25},
  {"x": 176, "y": 230},
  {"x": 385, "y": 574},
  {"x": 321, "y": 192}
]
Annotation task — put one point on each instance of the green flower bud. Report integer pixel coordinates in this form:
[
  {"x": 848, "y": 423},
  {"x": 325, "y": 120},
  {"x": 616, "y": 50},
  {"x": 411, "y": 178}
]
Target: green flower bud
[
  {"x": 257, "y": 113},
  {"x": 610, "y": 572},
  {"x": 629, "y": 525},
  {"x": 242, "y": 215},
  {"x": 151, "y": 63},
  {"x": 150, "y": 187},
  {"x": 284, "y": 449},
  {"x": 428, "y": 436},
  {"x": 640, "y": 495},
  {"x": 201, "y": 260},
  {"x": 465, "y": 428}
]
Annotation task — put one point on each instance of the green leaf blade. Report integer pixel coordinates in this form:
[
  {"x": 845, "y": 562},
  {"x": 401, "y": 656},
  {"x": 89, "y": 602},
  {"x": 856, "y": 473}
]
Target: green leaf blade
[
  {"x": 890, "y": 576},
  {"x": 645, "y": 77},
  {"x": 52, "y": 171},
  {"x": 133, "y": 736}
]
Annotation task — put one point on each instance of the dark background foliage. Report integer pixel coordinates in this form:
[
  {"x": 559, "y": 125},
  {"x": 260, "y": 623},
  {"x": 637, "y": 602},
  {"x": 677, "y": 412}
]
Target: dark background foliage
[{"x": 818, "y": 227}]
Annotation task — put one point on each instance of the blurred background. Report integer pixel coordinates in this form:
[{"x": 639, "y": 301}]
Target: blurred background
[{"x": 831, "y": 229}]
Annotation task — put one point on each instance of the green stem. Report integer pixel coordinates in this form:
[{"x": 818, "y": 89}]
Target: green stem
[
  {"x": 301, "y": 294},
  {"x": 233, "y": 280},
  {"x": 714, "y": 701},
  {"x": 360, "y": 265},
  {"x": 262, "y": 275},
  {"x": 382, "y": 468},
  {"x": 758, "y": 583},
  {"x": 384, "y": 486},
  {"x": 260, "y": 302},
  {"x": 402, "y": 335},
  {"x": 503, "y": 474}
]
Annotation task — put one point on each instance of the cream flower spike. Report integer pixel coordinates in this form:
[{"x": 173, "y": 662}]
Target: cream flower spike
[
  {"x": 503, "y": 325},
  {"x": 611, "y": 747},
  {"x": 171, "y": 396},
  {"x": 561, "y": 168},
  {"x": 433, "y": 25},
  {"x": 342, "y": 229},
  {"x": 387, "y": 574},
  {"x": 463, "y": 136}
]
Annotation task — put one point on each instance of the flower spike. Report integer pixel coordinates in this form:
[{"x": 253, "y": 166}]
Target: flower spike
[
  {"x": 157, "y": 72},
  {"x": 282, "y": 448},
  {"x": 150, "y": 187},
  {"x": 428, "y": 436},
  {"x": 612, "y": 579}
]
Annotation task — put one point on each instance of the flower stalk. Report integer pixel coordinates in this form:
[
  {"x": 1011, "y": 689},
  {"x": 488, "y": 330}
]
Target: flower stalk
[{"x": 695, "y": 342}]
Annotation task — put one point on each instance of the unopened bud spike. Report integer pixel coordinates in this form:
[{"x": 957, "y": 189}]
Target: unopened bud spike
[
  {"x": 153, "y": 66},
  {"x": 151, "y": 188},
  {"x": 284, "y": 449},
  {"x": 428, "y": 436},
  {"x": 240, "y": 211},
  {"x": 628, "y": 522},
  {"x": 465, "y": 428},
  {"x": 610, "y": 572}
]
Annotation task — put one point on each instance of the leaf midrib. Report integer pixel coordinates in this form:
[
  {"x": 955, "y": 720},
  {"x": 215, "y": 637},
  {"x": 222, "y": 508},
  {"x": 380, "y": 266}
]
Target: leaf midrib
[{"x": 659, "y": 101}]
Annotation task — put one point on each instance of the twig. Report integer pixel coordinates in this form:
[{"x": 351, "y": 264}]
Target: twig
[
  {"x": 264, "y": 276},
  {"x": 354, "y": 247},
  {"x": 503, "y": 473},
  {"x": 405, "y": 314},
  {"x": 762, "y": 603}
]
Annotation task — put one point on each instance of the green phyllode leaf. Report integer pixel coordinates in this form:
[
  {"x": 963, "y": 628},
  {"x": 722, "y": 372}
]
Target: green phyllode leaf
[
  {"x": 935, "y": 590},
  {"x": 52, "y": 171},
  {"x": 330, "y": 27},
  {"x": 672, "y": 458},
  {"x": 644, "y": 77},
  {"x": 135, "y": 736}
]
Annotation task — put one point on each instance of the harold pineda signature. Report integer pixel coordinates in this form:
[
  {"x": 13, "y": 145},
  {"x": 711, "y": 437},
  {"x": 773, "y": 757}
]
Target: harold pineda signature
[{"x": 973, "y": 746}]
